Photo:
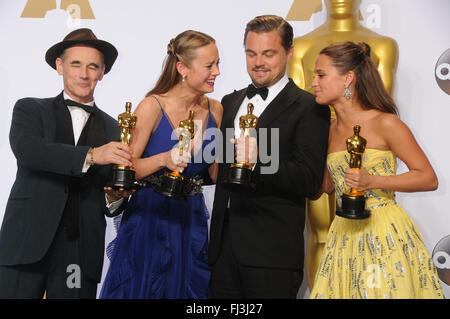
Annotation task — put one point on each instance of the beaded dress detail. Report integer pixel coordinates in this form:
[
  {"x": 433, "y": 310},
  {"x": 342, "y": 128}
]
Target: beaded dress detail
[{"x": 382, "y": 256}]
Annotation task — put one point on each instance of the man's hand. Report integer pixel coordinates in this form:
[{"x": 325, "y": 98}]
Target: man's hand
[
  {"x": 113, "y": 195},
  {"x": 111, "y": 153},
  {"x": 246, "y": 149}
]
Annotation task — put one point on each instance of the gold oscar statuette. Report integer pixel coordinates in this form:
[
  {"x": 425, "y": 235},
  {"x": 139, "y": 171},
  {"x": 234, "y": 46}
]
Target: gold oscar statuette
[
  {"x": 354, "y": 201},
  {"x": 124, "y": 176},
  {"x": 239, "y": 174},
  {"x": 172, "y": 183}
]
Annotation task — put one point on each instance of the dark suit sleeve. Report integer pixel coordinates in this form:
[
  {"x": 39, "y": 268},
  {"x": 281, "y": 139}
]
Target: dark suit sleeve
[
  {"x": 301, "y": 174},
  {"x": 37, "y": 152}
]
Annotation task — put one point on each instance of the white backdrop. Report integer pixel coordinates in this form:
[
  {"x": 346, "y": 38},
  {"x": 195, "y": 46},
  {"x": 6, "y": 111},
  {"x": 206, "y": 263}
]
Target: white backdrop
[{"x": 142, "y": 29}]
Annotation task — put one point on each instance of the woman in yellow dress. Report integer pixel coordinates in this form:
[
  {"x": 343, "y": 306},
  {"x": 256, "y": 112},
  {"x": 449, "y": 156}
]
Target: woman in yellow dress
[{"x": 382, "y": 256}]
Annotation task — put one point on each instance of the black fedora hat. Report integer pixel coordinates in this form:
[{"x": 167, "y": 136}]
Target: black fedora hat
[{"x": 86, "y": 37}]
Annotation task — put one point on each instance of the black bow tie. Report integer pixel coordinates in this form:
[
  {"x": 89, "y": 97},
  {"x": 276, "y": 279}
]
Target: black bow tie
[
  {"x": 253, "y": 90},
  {"x": 85, "y": 107}
]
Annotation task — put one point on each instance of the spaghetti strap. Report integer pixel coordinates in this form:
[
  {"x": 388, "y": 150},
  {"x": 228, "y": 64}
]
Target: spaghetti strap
[
  {"x": 210, "y": 113},
  {"x": 157, "y": 101},
  {"x": 160, "y": 115}
]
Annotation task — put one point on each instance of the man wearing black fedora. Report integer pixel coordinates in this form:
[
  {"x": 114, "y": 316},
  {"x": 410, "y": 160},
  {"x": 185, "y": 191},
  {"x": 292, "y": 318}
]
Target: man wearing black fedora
[{"x": 52, "y": 235}]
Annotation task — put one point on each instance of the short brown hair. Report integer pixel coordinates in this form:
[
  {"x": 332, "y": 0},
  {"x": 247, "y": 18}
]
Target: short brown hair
[{"x": 268, "y": 23}]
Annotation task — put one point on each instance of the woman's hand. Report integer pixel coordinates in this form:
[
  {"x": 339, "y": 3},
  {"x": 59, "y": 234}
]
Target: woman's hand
[
  {"x": 359, "y": 179},
  {"x": 176, "y": 160}
]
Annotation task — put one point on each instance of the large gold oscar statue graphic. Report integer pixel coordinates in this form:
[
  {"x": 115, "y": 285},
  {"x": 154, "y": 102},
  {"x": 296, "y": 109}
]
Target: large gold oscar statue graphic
[
  {"x": 39, "y": 8},
  {"x": 341, "y": 25}
]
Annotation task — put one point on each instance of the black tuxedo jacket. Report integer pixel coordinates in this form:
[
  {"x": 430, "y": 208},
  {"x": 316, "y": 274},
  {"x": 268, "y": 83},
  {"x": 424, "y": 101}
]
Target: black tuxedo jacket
[
  {"x": 40, "y": 191},
  {"x": 266, "y": 225}
]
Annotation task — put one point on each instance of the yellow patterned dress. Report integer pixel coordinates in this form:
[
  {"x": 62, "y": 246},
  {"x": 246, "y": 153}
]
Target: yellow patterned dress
[{"x": 382, "y": 256}]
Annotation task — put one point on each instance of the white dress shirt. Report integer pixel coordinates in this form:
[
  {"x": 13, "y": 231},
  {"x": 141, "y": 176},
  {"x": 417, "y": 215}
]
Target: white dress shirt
[
  {"x": 258, "y": 103},
  {"x": 79, "y": 120},
  {"x": 79, "y": 117},
  {"x": 259, "y": 106}
]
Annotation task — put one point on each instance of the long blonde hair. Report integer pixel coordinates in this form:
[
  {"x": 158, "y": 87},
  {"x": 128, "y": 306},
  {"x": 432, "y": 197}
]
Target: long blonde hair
[{"x": 182, "y": 48}]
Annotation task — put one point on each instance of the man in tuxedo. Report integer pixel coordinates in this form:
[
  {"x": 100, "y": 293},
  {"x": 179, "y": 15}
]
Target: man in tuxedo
[
  {"x": 52, "y": 235},
  {"x": 256, "y": 237}
]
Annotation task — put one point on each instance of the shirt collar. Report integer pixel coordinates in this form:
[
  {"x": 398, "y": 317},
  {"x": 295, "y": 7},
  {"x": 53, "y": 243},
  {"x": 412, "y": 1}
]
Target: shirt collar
[
  {"x": 67, "y": 97},
  {"x": 276, "y": 88}
]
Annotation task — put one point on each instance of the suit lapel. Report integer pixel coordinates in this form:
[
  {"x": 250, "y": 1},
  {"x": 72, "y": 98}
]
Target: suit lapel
[
  {"x": 281, "y": 102},
  {"x": 232, "y": 109},
  {"x": 63, "y": 122},
  {"x": 96, "y": 135},
  {"x": 94, "y": 130}
]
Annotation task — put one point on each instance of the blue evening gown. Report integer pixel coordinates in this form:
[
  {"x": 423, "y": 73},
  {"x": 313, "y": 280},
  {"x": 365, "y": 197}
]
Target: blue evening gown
[{"x": 161, "y": 247}]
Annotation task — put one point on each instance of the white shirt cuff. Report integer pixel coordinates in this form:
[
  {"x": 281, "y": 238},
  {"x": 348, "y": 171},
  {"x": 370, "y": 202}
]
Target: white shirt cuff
[{"x": 85, "y": 167}]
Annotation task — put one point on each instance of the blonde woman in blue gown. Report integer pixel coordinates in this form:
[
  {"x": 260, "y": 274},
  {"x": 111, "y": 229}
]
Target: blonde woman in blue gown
[
  {"x": 382, "y": 256},
  {"x": 161, "y": 249}
]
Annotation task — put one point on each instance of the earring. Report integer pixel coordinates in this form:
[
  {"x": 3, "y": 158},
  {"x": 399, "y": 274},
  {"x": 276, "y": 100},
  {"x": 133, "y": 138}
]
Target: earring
[
  {"x": 184, "y": 78},
  {"x": 347, "y": 92}
]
